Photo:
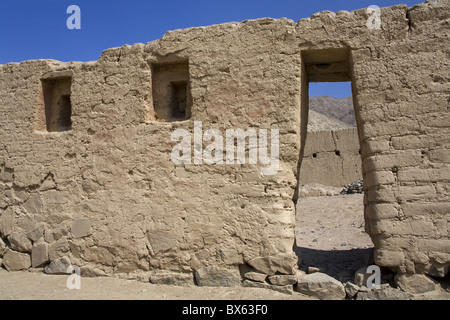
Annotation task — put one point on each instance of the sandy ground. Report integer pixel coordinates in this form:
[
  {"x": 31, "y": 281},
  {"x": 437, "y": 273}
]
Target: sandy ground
[
  {"x": 330, "y": 236},
  {"x": 331, "y": 223},
  {"x": 40, "y": 286}
]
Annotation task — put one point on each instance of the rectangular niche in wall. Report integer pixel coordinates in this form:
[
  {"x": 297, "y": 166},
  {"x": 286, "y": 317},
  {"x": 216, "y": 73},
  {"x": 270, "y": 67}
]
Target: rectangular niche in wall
[
  {"x": 171, "y": 91},
  {"x": 58, "y": 108}
]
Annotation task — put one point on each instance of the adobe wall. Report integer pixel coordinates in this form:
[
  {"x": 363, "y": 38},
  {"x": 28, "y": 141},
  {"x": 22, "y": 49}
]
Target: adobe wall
[
  {"x": 331, "y": 158},
  {"x": 103, "y": 193}
]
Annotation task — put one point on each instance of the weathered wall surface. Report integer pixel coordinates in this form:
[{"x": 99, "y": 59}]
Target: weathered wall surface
[
  {"x": 331, "y": 158},
  {"x": 114, "y": 168},
  {"x": 105, "y": 195}
]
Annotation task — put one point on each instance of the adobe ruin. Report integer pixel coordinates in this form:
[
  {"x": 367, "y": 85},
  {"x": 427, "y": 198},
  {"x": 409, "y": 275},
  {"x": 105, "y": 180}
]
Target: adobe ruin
[{"x": 85, "y": 150}]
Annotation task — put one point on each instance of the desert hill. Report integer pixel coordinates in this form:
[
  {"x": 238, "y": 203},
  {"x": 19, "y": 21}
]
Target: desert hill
[{"x": 328, "y": 113}]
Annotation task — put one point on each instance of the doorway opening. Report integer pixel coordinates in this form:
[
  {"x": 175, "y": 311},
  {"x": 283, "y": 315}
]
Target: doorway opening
[{"x": 330, "y": 232}]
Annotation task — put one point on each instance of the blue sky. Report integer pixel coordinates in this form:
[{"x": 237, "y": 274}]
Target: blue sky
[{"x": 36, "y": 29}]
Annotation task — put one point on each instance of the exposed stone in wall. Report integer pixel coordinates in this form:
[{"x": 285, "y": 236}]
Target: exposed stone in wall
[{"x": 112, "y": 165}]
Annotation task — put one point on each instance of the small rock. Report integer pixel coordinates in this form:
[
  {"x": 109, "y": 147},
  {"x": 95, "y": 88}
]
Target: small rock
[
  {"x": 384, "y": 294},
  {"x": 283, "y": 263},
  {"x": 143, "y": 277},
  {"x": 14, "y": 261},
  {"x": 39, "y": 255},
  {"x": 364, "y": 289},
  {"x": 90, "y": 271},
  {"x": 438, "y": 270},
  {"x": 231, "y": 256},
  {"x": 414, "y": 283},
  {"x": 255, "y": 276},
  {"x": 216, "y": 277},
  {"x": 7, "y": 220},
  {"x": 310, "y": 270},
  {"x": 355, "y": 187},
  {"x": 161, "y": 240},
  {"x": 33, "y": 205},
  {"x": 20, "y": 195},
  {"x": 2, "y": 247},
  {"x": 37, "y": 233},
  {"x": 51, "y": 235},
  {"x": 58, "y": 249},
  {"x": 172, "y": 278},
  {"x": 81, "y": 228},
  {"x": 288, "y": 289},
  {"x": 361, "y": 276},
  {"x": 138, "y": 275},
  {"x": 322, "y": 286},
  {"x": 7, "y": 175},
  {"x": 36, "y": 270},
  {"x": 20, "y": 242},
  {"x": 299, "y": 274},
  {"x": 59, "y": 266},
  {"x": 283, "y": 280},
  {"x": 351, "y": 289}
]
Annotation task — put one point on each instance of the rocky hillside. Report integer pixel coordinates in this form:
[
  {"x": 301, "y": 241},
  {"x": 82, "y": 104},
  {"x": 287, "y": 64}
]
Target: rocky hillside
[
  {"x": 327, "y": 113},
  {"x": 320, "y": 122}
]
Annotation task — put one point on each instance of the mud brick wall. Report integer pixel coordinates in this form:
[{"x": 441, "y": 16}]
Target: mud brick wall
[
  {"x": 331, "y": 158},
  {"x": 99, "y": 190}
]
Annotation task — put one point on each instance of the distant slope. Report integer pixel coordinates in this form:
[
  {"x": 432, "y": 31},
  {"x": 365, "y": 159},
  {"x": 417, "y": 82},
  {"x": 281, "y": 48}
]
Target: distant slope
[
  {"x": 320, "y": 122},
  {"x": 340, "y": 109}
]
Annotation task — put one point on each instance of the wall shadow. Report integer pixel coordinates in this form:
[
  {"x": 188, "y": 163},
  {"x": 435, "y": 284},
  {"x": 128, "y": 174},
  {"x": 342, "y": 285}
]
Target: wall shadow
[{"x": 339, "y": 264}]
